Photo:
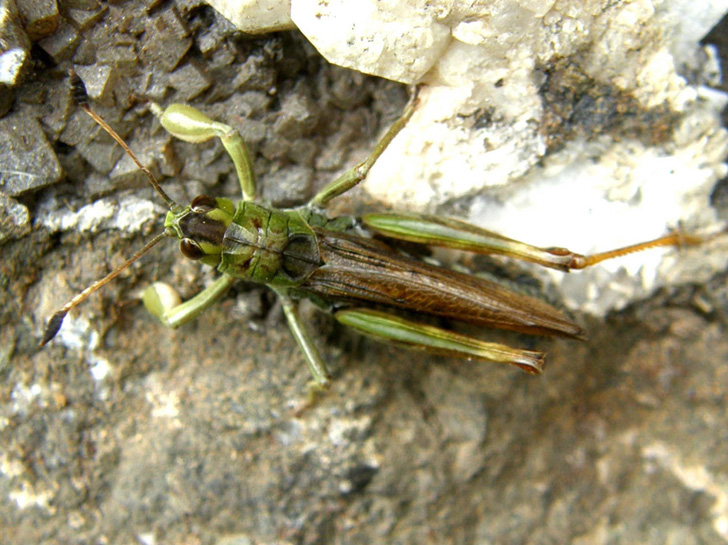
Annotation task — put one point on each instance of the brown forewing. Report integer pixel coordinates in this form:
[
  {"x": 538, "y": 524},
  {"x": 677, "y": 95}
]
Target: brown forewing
[{"x": 357, "y": 269}]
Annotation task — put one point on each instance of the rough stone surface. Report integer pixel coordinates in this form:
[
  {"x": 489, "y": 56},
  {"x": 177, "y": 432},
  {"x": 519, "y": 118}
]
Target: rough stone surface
[
  {"x": 27, "y": 162},
  {"x": 61, "y": 44},
  {"x": 122, "y": 431},
  {"x": 40, "y": 17},
  {"x": 15, "y": 219}
]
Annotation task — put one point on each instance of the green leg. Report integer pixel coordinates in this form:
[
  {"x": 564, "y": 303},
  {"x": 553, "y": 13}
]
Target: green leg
[
  {"x": 317, "y": 367},
  {"x": 191, "y": 125},
  {"x": 393, "y": 329},
  {"x": 452, "y": 233},
  {"x": 160, "y": 301},
  {"x": 355, "y": 175}
]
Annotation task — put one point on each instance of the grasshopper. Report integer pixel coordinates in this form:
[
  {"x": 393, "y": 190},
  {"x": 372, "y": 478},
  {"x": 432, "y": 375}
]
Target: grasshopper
[{"x": 351, "y": 267}]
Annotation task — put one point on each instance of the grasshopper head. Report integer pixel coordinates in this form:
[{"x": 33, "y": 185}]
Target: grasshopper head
[{"x": 200, "y": 227}]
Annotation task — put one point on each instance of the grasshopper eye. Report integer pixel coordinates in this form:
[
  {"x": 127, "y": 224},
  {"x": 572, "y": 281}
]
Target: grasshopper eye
[
  {"x": 191, "y": 250},
  {"x": 202, "y": 204}
]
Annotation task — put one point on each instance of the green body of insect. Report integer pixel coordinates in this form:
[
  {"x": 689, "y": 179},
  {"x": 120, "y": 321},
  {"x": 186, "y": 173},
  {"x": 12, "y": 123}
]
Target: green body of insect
[{"x": 300, "y": 253}]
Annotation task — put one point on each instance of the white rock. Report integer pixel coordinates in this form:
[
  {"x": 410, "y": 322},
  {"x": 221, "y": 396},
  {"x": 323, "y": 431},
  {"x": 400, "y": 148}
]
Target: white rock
[
  {"x": 128, "y": 213},
  {"x": 394, "y": 39},
  {"x": 11, "y": 63},
  {"x": 256, "y": 16},
  {"x": 14, "y": 45}
]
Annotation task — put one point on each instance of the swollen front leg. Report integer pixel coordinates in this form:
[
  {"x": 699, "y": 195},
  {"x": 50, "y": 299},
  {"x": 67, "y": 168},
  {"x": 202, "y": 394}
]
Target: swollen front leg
[
  {"x": 163, "y": 302},
  {"x": 191, "y": 125}
]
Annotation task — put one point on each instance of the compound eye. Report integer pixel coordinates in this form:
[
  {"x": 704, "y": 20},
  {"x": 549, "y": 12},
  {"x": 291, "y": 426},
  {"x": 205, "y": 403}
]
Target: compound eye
[
  {"x": 191, "y": 250},
  {"x": 202, "y": 204}
]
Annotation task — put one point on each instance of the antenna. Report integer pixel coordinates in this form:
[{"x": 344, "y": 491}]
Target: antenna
[
  {"x": 80, "y": 97},
  {"x": 54, "y": 324}
]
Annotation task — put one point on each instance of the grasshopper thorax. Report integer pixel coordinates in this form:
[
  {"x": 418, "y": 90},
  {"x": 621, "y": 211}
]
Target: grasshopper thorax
[{"x": 201, "y": 227}]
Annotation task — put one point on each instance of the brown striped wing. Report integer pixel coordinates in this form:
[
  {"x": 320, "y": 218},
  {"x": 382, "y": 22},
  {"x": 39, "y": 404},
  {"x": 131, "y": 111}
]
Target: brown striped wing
[{"x": 357, "y": 269}]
